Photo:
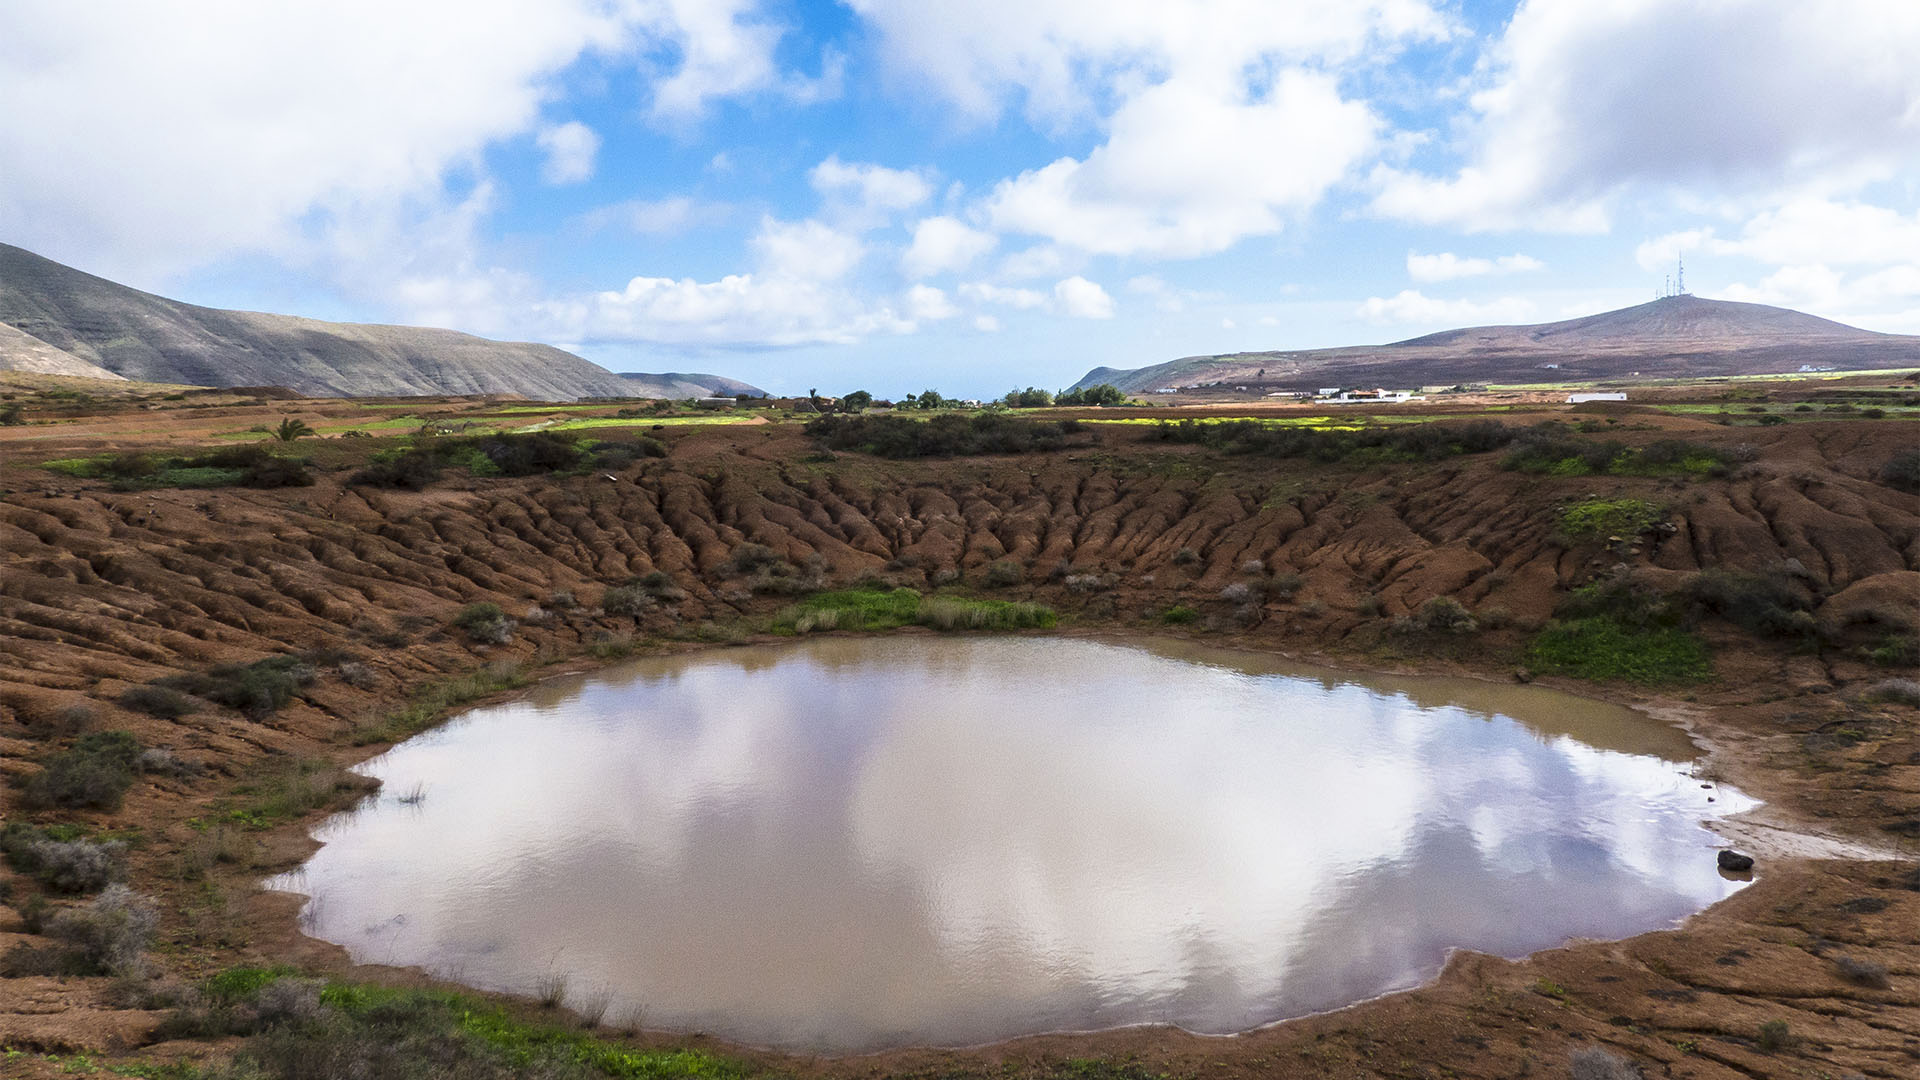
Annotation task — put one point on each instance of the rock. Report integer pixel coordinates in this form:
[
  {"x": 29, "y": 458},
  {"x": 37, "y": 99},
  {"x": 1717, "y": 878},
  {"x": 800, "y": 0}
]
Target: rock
[{"x": 1734, "y": 862}]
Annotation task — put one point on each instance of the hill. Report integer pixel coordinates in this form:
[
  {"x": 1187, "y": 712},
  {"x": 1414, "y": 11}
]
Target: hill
[
  {"x": 679, "y": 384},
  {"x": 1679, "y": 336},
  {"x": 58, "y": 320}
]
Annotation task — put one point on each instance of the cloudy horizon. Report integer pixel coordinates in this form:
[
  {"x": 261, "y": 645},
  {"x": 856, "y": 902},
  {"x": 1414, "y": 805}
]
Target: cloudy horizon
[{"x": 898, "y": 194}]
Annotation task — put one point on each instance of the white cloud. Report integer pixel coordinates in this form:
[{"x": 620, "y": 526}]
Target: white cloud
[
  {"x": 259, "y": 128},
  {"x": 1732, "y": 98},
  {"x": 1411, "y": 306},
  {"x": 1065, "y": 58},
  {"x": 570, "y": 148},
  {"x": 655, "y": 217},
  {"x": 867, "y": 194},
  {"x": 1038, "y": 261},
  {"x": 930, "y": 304},
  {"x": 737, "y": 309},
  {"x": 1004, "y": 296},
  {"x": 806, "y": 250},
  {"x": 943, "y": 244},
  {"x": 1082, "y": 299},
  {"x": 1844, "y": 260},
  {"x": 725, "y": 49},
  {"x": 1188, "y": 171},
  {"x": 986, "y": 324},
  {"x": 1446, "y": 266}
]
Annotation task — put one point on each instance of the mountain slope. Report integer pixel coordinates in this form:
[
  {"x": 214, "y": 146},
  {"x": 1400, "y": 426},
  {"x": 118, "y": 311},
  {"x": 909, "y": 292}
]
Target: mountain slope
[
  {"x": 21, "y": 351},
  {"x": 679, "y": 384},
  {"x": 1673, "y": 337},
  {"x": 136, "y": 335}
]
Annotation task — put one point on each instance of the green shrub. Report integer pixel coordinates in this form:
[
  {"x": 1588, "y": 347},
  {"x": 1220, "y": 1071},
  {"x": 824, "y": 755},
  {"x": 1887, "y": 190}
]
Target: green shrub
[
  {"x": 1186, "y": 556},
  {"x": 1409, "y": 442},
  {"x": 61, "y": 862},
  {"x": 157, "y": 701},
  {"x": 523, "y": 454},
  {"x": 1896, "y": 650},
  {"x": 1597, "y": 519},
  {"x": 1444, "y": 613},
  {"x": 1603, "y": 648},
  {"x": 1179, "y": 615},
  {"x": 1771, "y": 605},
  {"x": 96, "y": 772},
  {"x": 947, "y": 435},
  {"x": 628, "y": 600},
  {"x": 258, "y": 689},
  {"x": 485, "y": 623},
  {"x": 1902, "y": 472},
  {"x": 1775, "y": 1036},
  {"x": 1005, "y": 574}
]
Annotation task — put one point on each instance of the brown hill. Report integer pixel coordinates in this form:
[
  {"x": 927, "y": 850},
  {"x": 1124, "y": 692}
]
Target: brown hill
[
  {"x": 58, "y": 320},
  {"x": 1676, "y": 337}
]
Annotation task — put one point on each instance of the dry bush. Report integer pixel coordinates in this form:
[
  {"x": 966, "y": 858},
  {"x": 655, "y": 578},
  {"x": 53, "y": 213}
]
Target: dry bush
[
  {"x": 109, "y": 935},
  {"x": 1862, "y": 972},
  {"x": 1595, "y": 1063}
]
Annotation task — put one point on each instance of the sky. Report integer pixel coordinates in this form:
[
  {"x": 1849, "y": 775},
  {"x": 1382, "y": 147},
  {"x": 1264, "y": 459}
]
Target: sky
[{"x": 967, "y": 195}]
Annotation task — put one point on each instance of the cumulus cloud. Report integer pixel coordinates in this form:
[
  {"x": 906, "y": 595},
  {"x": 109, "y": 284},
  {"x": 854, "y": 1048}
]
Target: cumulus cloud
[
  {"x": 944, "y": 244},
  {"x": 1222, "y": 118},
  {"x": 930, "y": 304},
  {"x": 1848, "y": 260},
  {"x": 261, "y": 127},
  {"x": 1079, "y": 298},
  {"x": 737, "y": 309},
  {"x": 806, "y": 250},
  {"x": 1063, "y": 59},
  {"x": 1446, "y": 266},
  {"x": 570, "y": 149},
  {"x": 1003, "y": 296},
  {"x": 1731, "y": 98},
  {"x": 1411, "y": 306},
  {"x": 1187, "y": 172},
  {"x": 868, "y": 194}
]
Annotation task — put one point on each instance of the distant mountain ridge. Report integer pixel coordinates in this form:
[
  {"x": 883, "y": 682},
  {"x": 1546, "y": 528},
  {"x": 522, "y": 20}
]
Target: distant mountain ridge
[
  {"x": 1679, "y": 336},
  {"x": 679, "y": 384},
  {"x": 58, "y": 320}
]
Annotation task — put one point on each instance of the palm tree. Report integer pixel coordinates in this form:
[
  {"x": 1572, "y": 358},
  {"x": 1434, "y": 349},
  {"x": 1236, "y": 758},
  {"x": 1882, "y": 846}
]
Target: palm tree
[{"x": 291, "y": 429}]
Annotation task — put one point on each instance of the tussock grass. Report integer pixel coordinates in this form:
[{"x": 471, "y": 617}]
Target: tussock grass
[
  {"x": 431, "y": 701},
  {"x": 887, "y": 609}
]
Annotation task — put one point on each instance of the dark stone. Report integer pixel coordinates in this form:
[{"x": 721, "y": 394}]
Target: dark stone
[
  {"x": 1865, "y": 905},
  {"x": 1734, "y": 862}
]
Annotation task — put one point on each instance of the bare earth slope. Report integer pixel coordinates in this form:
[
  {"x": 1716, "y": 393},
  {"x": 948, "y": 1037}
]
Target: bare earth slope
[
  {"x": 21, "y": 351},
  {"x": 138, "y": 335},
  {"x": 1680, "y": 336}
]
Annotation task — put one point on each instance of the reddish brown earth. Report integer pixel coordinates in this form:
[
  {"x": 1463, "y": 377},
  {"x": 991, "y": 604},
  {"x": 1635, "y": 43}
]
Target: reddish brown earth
[{"x": 103, "y": 590}]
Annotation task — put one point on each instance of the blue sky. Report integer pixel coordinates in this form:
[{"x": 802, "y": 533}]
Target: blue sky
[{"x": 900, "y": 194}]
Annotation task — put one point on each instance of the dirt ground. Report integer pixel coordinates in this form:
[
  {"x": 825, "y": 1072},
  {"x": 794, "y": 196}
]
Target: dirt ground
[{"x": 104, "y": 590}]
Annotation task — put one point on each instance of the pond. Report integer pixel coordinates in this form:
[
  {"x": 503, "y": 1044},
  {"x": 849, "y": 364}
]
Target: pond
[{"x": 845, "y": 844}]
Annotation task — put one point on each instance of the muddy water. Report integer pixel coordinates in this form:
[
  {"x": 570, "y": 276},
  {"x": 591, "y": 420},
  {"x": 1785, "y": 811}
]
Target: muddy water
[{"x": 853, "y": 843}]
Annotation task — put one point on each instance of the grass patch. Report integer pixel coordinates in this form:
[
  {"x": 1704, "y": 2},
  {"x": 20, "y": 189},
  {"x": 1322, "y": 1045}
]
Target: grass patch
[
  {"x": 299, "y": 1028},
  {"x": 888, "y": 609},
  {"x": 526, "y": 454},
  {"x": 587, "y": 423},
  {"x": 430, "y": 702},
  {"x": 1603, "y": 648},
  {"x": 237, "y": 466},
  {"x": 1598, "y": 519},
  {"x": 1549, "y": 450}
]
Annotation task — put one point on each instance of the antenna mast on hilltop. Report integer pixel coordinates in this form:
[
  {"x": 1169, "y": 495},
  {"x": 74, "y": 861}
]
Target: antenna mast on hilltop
[{"x": 1675, "y": 284}]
